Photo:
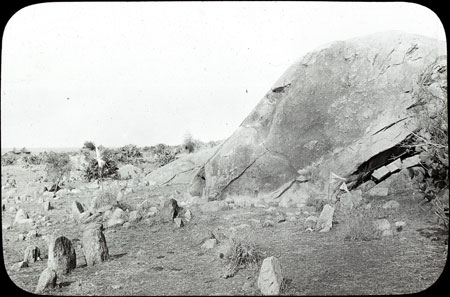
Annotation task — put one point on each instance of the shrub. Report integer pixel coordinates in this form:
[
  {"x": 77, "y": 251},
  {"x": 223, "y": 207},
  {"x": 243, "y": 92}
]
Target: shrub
[
  {"x": 243, "y": 253},
  {"x": 189, "y": 144},
  {"x": 359, "y": 223},
  {"x": 164, "y": 154},
  {"x": 33, "y": 159},
  {"x": 8, "y": 159},
  {"x": 57, "y": 165},
  {"x": 431, "y": 137},
  {"x": 128, "y": 154},
  {"x": 91, "y": 170}
]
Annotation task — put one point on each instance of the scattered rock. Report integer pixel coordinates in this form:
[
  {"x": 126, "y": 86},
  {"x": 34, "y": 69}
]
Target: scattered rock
[
  {"x": 179, "y": 222},
  {"x": 270, "y": 277},
  {"x": 399, "y": 225},
  {"x": 32, "y": 234},
  {"x": 394, "y": 166},
  {"x": 391, "y": 204},
  {"x": 134, "y": 216},
  {"x": 310, "y": 222},
  {"x": 209, "y": 244},
  {"x": 381, "y": 173},
  {"x": 21, "y": 237},
  {"x": 94, "y": 245},
  {"x": 325, "y": 220},
  {"x": 117, "y": 218},
  {"x": 382, "y": 224},
  {"x": 61, "y": 255},
  {"x": 19, "y": 266},
  {"x": 31, "y": 254},
  {"x": 411, "y": 161},
  {"x": 126, "y": 225},
  {"x": 385, "y": 233},
  {"x": 188, "y": 215},
  {"x": 47, "y": 280},
  {"x": 268, "y": 223}
]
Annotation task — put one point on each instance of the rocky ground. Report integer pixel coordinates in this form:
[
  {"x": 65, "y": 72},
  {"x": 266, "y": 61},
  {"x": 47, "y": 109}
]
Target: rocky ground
[{"x": 152, "y": 255}]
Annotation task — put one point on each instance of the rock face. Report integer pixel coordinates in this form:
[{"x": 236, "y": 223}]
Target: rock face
[
  {"x": 61, "y": 255},
  {"x": 270, "y": 277},
  {"x": 47, "y": 280},
  {"x": 94, "y": 246},
  {"x": 335, "y": 110}
]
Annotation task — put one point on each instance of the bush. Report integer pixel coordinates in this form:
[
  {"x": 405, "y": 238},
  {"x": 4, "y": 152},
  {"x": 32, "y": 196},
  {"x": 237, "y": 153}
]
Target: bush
[
  {"x": 33, "y": 159},
  {"x": 164, "y": 154},
  {"x": 243, "y": 253},
  {"x": 359, "y": 223},
  {"x": 128, "y": 154},
  {"x": 57, "y": 166},
  {"x": 8, "y": 159},
  {"x": 91, "y": 171},
  {"x": 431, "y": 137},
  {"x": 189, "y": 144}
]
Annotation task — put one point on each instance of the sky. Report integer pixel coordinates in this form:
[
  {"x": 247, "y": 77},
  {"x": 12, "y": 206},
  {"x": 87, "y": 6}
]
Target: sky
[{"x": 148, "y": 73}]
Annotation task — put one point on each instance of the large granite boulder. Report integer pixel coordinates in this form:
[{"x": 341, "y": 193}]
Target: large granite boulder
[{"x": 339, "y": 109}]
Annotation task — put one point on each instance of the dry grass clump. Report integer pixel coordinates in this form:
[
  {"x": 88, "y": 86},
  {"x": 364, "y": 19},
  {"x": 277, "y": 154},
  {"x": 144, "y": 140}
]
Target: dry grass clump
[
  {"x": 359, "y": 223},
  {"x": 242, "y": 254}
]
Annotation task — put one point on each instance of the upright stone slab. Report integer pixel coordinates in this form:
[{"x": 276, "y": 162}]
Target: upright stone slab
[
  {"x": 270, "y": 277},
  {"x": 31, "y": 254},
  {"x": 77, "y": 209},
  {"x": 325, "y": 220},
  {"x": 94, "y": 246},
  {"x": 47, "y": 280},
  {"x": 61, "y": 255}
]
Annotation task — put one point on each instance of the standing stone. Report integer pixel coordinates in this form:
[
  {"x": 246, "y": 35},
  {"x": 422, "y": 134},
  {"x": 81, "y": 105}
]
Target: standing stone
[
  {"x": 170, "y": 210},
  {"x": 77, "y": 209},
  {"x": 47, "y": 206},
  {"x": 270, "y": 277},
  {"x": 94, "y": 246},
  {"x": 188, "y": 215},
  {"x": 325, "y": 220},
  {"x": 179, "y": 222},
  {"x": 47, "y": 280},
  {"x": 61, "y": 255},
  {"x": 31, "y": 254},
  {"x": 21, "y": 216}
]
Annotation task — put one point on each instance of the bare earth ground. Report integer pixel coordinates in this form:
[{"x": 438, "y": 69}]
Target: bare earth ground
[{"x": 161, "y": 259}]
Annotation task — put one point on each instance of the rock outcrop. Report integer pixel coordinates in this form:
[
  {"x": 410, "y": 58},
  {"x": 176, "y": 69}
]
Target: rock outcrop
[{"x": 343, "y": 109}]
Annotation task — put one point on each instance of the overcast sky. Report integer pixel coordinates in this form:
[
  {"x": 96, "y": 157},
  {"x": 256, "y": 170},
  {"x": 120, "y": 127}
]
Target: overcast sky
[{"x": 147, "y": 73}]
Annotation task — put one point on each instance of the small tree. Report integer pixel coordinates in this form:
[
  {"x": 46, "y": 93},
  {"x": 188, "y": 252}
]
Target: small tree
[
  {"x": 164, "y": 154},
  {"x": 189, "y": 144},
  {"x": 57, "y": 165}
]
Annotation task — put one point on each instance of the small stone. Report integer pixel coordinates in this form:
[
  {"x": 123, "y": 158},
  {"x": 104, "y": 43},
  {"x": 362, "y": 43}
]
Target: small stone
[
  {"x": 394, "y": 166},
  {"x": 134, "y": 216},
  {"x": 391, "y": 204},
  {"x": 382, "y": 224},
  {"x": 399, "y": 225},
  {"x": 268, "y": 223},
  {"x": 310, "y": 222},
  {"x": 47, "y": 280},
  {"x": 380, "y": 173},
  {"x": 47, "y": 206},
  {"x": 209, "y": 244},
  {"x": 19, "y": 266},
  {"x": 270, "y": 277},
  {"x": 77, "y": 209},
  {"x": 32, "y": 234},
  {"x": 126, "y": 225},
  {"x": 385, "y": 233},
  {"x": 117, "y": 218},
  {"x": 179, "y": 222},
  {"x": 188, "y": 215}
]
